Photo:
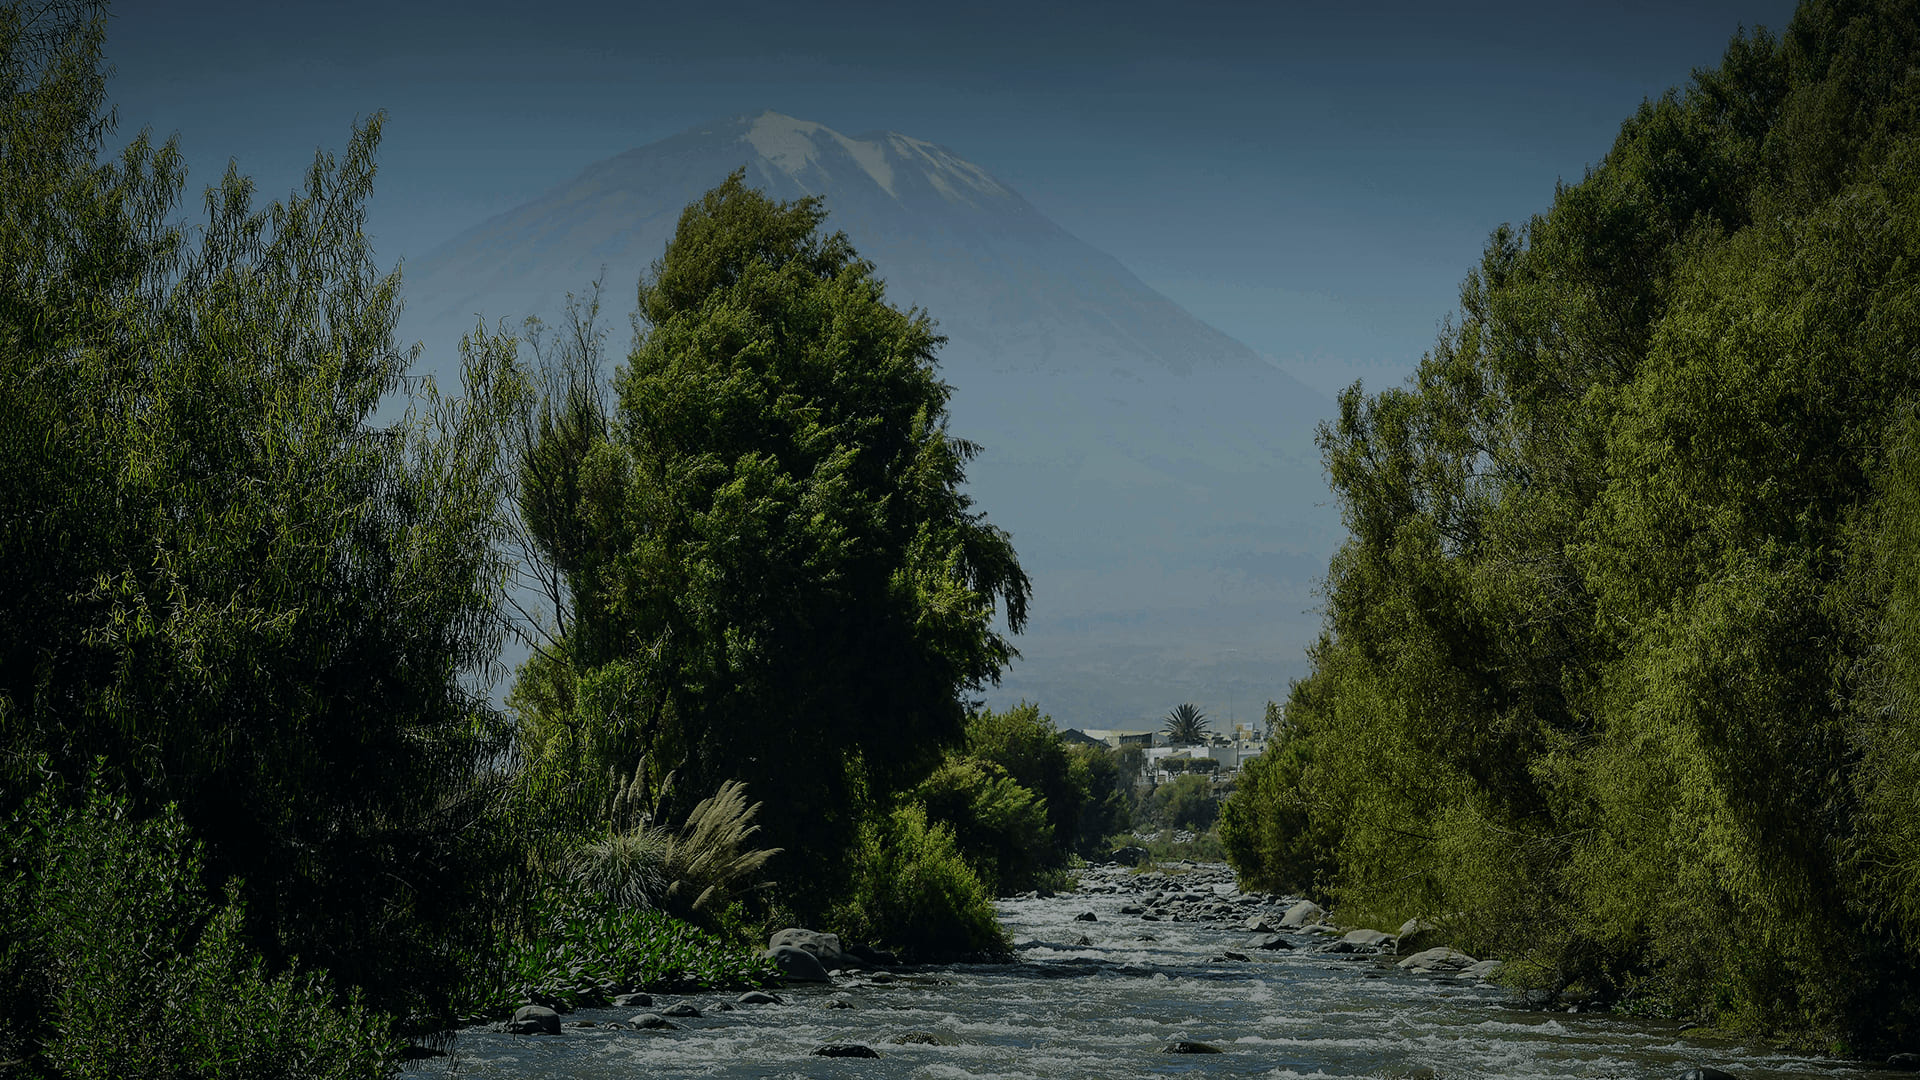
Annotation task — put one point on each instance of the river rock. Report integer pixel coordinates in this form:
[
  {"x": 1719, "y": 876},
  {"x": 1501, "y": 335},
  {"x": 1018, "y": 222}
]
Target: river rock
[
  {"x": 1271, "y": 942},
  {"x": 1416, "y": 935},
  {"x": 850, "y": 1050},
  {"x": 824, "y": 947},
  {"x": 797, "y": 964},
  {"x": 652, "y": 1022},
  {"x": 1132, "y": 909},
  {"x": 759, "y": 997},
  {"x": 1301, "y": 914},
  {"x": 1262, "y": 924},
  {"x": 1706, "y": 1073},
  {"x": 1485, "y": 969},
  {"x": 1439, "y": 961},
  {"x": 534, "y": 1020},
  {"x": 836, "y": 1003},
  {"x": 1129, "y": 856},
  {"x": 682, "y": 1010},
  {"x": 1904, "y": 1062},
  {"x": 1367, "y": 939},
  {"x": 1086, "y": 916},
  {"x": 633, "y": 1001},
  {"x": 1183, "y": 1046}
]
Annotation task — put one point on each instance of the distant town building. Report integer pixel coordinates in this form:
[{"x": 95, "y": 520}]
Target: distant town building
[{"x": 1117, "y": 738}]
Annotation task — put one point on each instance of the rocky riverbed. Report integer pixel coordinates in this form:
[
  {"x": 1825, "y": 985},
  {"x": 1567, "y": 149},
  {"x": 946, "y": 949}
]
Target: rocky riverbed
[{"x": 1131, "y": 975}]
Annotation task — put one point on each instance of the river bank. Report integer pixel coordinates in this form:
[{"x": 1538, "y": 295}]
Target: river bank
[{"x": 1104, "y": 997}]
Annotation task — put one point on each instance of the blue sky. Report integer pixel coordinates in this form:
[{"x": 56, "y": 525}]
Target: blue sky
[{"x": 1313, "y": 181}]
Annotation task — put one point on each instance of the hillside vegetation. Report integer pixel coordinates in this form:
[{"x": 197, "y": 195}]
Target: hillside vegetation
[{"x": 1619, "y": 668}]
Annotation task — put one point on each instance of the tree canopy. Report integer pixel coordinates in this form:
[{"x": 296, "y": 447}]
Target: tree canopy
[
  {"x": 1617, "y": 650},
  {"x": 225, "y": 587},
  {"x": 774, "y": 574}
]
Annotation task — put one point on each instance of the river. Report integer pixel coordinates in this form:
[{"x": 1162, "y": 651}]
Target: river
[{"x": 1109, "y": 1007}]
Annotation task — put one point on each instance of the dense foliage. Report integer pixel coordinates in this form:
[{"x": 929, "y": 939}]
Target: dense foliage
[
  {"x": 1619, "y": 656},
  {"x": 769, "y": 572},
  {"x": 913, "y": 890},
  {"x": 586, "y": 954},
  {"x": 228, "y": 593},
  {"x": 130, "y": 968}
]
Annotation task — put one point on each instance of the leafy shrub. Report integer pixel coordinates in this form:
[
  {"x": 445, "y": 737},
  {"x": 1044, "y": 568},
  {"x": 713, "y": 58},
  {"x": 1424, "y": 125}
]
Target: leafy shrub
[
  {"x": 914, "y": 892},
  {"x": 998, "y": 825},
  {"x": 1185, "y": 803},
  {"x": 140, "y": 973},
  {"x": 586, "y": 955},
  {"x": 1022, "y": 740},
  {"x": 1107, "y": 797}
]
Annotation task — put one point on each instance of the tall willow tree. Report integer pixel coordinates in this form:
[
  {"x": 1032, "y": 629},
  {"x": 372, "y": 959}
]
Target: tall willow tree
[
  {"x": 1618, "y": 658},
  {"x": 772, "y": 573},
  {"x": 222, "y": 585}
]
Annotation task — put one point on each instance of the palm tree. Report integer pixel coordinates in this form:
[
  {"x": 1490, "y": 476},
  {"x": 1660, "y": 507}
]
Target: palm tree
[{"x": 1186, "y": 726}]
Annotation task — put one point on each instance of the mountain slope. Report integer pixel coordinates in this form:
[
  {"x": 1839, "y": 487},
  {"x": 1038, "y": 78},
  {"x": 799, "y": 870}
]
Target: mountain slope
[{"x": 1158, "y": 477}]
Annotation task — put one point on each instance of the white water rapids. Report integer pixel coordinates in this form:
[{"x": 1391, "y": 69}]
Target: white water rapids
[{"x": 1109, "y": 1008}]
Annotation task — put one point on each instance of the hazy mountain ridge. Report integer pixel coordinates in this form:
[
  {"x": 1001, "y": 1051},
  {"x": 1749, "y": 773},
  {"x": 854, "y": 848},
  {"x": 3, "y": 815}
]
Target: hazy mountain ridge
[{"x": 1142, "y": 460}]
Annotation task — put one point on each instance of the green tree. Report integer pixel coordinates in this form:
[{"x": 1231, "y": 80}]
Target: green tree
[
  {"x": 999, "y": 825},
  {"x": 218, "y": 574},
  {"x": 1185, "y": 802},
  {"x": 1023, "y": 741},
  {"x": 1106, "y": 787},
  {"x": 794, "y": 590},
  {"x": 1617, "y": 649},
  {"x": 1186, "y": 725}
]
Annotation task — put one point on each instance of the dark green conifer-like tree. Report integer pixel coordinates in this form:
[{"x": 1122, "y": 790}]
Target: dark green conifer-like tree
[{"x": 773, "y": 573}]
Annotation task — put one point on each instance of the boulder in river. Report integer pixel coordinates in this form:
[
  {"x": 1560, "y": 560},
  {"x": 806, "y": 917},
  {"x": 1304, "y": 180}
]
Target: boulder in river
[
  {"x": 1184, "y": 1046},
  {"x": 1262, "y": 924},
  {"x": 1086, "y": 916},
  {"x": 797, "y": 964},
  {"x": 633, "y": 1001},
  {"x": 652, "y": 1022},
  {"x": 1904, "y": 1062},
  {"x": 824, "y": 947},
  {"x": 1485, "y": 969},
  {"x": 759, "y": 997},
  {"x": 1304, "y": 913},
  {"x": 1416, "y": 935},
  {"x": 1439, "y": 961},
  {"x": 682, "y": 1010},
  {"x": 534, "y": 1020},
  {"x": 1367, "y": 939},
  {"x": 848, "y": 1050},
  {"x": 1129, "y": 856},
  {"x": 1271, "y": 942},
  {"x": 1704, "y": 1072}
]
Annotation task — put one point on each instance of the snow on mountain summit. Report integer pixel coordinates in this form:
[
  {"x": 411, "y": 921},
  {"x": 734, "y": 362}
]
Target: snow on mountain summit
[{"x": 802, "y": 150}]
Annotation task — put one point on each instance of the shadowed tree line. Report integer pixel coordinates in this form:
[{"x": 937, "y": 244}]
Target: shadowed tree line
[
  {"x": 262, "y": 813},
  {"x": 1618, "y": 668}
]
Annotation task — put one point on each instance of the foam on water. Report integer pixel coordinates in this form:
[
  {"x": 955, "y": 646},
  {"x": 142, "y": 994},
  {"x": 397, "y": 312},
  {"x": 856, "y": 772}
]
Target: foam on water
[{"x": 1106, "y": 1008}]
